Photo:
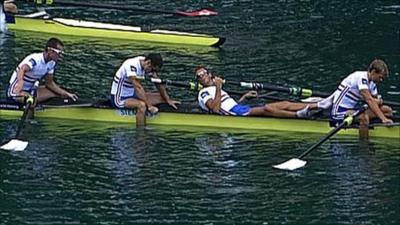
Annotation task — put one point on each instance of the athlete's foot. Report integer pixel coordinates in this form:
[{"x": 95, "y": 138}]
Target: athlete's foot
[{"x": 304, "y": 113}]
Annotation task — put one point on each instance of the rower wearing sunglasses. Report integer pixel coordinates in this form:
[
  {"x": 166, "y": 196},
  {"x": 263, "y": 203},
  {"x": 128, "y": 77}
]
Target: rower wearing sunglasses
[
  {"x": 214, "y": 99},
  {"x": 128, "y": 92},
  {"x": 35, "y": 67}
]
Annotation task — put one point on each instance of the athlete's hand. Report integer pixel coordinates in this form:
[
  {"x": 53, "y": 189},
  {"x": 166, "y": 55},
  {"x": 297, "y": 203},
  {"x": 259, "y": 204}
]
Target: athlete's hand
[
  {"x": 74, "y": 97},
  {"x": 251, "y": 94},
  {"x": 173, "y": 103},
  {"x": 387, "y": 121},
  {"x": 152, "y": 109},
  {"x": 218, "y": 82}
]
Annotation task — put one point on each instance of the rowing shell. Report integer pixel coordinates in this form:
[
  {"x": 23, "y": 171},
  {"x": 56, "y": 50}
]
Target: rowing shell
[
  {"x": 188, "y": 115},
  {"x": 61, "y": 26}
]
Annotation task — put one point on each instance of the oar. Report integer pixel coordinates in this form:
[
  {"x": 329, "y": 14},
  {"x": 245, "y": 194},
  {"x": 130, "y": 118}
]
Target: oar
[
  {"x": 296, "y": 163},
  {"x": 294, "y": 91},
  {"x": 15, "y": 144},
  {"x": 185, "y": 84},
  {"x": 195, "y": 13}
]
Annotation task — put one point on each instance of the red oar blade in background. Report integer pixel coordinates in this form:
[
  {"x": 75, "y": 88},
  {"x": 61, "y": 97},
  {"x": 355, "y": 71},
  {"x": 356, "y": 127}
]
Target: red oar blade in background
[
  {"x": 201, "y": 12},
  {"x": 195, "y": 13}
]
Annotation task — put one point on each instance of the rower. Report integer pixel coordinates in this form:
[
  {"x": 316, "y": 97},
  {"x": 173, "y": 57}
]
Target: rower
[
  {"x": 213, "y": 99},
  {"x": 128, "y": 92},
  {"x": 356, "y": 89},
  {"x": 35, "y": 67}
]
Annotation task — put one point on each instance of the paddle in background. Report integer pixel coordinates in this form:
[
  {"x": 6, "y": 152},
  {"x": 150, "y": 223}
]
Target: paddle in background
[
  {"x": 16, "y": 144},
  {"x": 195, "y": 13},
  {"x": 296, "y": 163}
]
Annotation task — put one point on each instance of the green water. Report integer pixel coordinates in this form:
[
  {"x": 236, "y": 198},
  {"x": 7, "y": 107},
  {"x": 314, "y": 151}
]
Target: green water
[{"x": 96, "y": 173}]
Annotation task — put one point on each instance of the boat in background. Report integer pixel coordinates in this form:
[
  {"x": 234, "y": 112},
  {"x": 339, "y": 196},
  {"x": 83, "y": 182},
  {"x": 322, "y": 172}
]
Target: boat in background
[
  {"x": 187, "y": 115},
  {"x": 43, "y": 23}
]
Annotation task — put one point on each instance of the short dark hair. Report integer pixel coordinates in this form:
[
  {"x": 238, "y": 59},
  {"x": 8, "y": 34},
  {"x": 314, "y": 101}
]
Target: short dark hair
[
  {"x": 378, "y": 66},
  {"x": 53, "y": 43},
  {"x": 156, "y": 60}
]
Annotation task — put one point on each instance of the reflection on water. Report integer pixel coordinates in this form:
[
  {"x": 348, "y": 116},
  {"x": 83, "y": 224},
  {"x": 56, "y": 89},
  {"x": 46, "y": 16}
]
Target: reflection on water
[
  {"x": 88, "y": 173},
  {"x": 180, "y": 174}
]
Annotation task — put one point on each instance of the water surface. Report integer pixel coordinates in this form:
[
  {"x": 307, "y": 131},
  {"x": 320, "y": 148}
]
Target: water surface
[{"x": 89, "y": 173}]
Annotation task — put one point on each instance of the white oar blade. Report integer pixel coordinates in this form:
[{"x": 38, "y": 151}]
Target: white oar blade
[
  {"x": 15, "y": 145},
  {"x": 291, "y": 164}
]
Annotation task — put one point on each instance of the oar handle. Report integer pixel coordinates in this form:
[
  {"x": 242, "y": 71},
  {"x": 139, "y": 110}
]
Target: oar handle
[{"x": 346, "y": 122}]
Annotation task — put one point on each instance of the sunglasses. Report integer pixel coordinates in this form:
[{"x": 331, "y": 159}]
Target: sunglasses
[
  {"x": 58, "y": 51},
  {"x": 201, "y": 74}
]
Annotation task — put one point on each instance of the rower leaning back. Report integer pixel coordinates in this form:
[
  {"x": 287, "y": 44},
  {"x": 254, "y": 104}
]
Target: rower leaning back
[
  {"x": 358, "y": 88},
  {"x": 35, "y": 67},
  {"x": 213, "y": 98}
]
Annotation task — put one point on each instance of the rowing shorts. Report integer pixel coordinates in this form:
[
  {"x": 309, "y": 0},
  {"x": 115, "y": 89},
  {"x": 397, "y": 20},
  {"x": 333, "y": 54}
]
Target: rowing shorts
[
  {"x": 339, "y": 115},
  {"x": 12, "y": 98},
  {"x": 240, "y": 110},
  {"x": 120, "y": 102}
]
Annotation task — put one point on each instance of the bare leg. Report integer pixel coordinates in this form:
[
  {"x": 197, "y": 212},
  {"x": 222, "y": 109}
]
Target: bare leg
[
  {"x": 30, "y": 113},
  {"x": 140, "y": 107},
  {"x": 292, "y": 106},
  {"x": 271, "y": 110},
  {"x": 364, "y": 122}
]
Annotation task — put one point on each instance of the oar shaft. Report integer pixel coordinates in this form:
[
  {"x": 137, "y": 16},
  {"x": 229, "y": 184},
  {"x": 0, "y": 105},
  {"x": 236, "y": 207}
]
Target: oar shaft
[
  {"x": 28, "y": 105},
  {"x": 322, "y": 140},
  {"x": 185, "y": 84},
  {"x": 346, "y": 122}
]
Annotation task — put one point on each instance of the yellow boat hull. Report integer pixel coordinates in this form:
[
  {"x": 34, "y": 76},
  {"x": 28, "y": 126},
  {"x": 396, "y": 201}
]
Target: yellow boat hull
[
  {"x": 201, "y": 120},
  {"x": 111, "y": 31}
]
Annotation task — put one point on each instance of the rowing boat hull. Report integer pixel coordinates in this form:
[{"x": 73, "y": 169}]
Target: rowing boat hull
[
  {"x": 200, "y": 120},
  {"x": 103, "y": 30}
]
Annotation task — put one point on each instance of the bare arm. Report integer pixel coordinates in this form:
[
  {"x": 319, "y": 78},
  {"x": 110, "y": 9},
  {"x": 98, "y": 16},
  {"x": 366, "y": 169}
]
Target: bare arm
[
  {"x": 250, "y": 94},
  {"x": 20, "y": 78},
  {"x": 51, "y": 85},
  {"x": 164, "y": 95},
  {"x": 215, "y": 104},
  {"x": 373, "y": 105},
  {"x": 139, "y": 90}
]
